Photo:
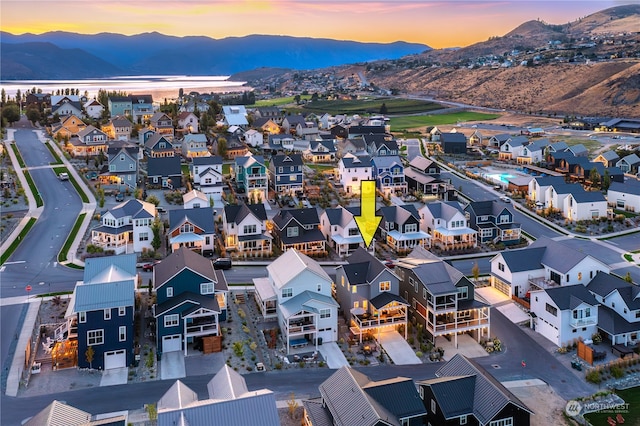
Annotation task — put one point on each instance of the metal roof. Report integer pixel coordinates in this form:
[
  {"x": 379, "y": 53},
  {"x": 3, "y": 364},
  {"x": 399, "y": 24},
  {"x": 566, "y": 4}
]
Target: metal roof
[
  {"x": 93, "y": 266},
  {"x": 527, "y": 259},
  {"x": 454, "y": 395},
  {"x": 93, "y": 297},
  {"x": 386, "y": 297},
  {"x": 226, "y": 384},
  {"x": 290, "y": 264},
  {"x": 306, "y": 301},
  {"x": 59, "y": 414},
  {"x": 317, "y": 412}
]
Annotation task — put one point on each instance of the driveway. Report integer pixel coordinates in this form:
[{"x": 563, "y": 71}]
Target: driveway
[
  {"x": 114, "y": 376},
  {"x": 491, "y": 295},
  {"x": 515, "y": 314},
  {"x": 400, "y": 352},
  {"x": 172, "y": 365},
  {"x": 467, "y": 346},
  {"x": 333, "y": 355}
]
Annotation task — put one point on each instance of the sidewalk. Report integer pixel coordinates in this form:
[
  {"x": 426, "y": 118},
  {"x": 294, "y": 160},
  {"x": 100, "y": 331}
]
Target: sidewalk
[{"x": 17, "y": 364}]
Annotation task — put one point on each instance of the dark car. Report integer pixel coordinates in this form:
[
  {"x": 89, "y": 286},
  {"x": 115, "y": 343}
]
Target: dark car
[
  {"x": 119, "y": 197},
  {"x": 148, "y": 267},
  {"x": 222, "y": 263}
]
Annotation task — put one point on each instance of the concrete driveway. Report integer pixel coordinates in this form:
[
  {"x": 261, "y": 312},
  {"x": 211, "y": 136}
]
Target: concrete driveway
[
  {"x": 491, "y": 295},
  {"x": 172, "y": 365},
  {"x": 114, "y": 376},
  {"x": 400, "y": 352},
  {"x": 467, "y": 346},
  {"x": 333, "y": 355},
  {"x": 514, "y": 313}
]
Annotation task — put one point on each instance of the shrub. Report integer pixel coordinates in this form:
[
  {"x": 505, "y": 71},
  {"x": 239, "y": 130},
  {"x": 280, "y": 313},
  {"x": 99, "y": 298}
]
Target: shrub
[
  {"x": 617, "y": 372},
  {"x": 593, "y": 376},
  {"x": 278, "y": 366}
]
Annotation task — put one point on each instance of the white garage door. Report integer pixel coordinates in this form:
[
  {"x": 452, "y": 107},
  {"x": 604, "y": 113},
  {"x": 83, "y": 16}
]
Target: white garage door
[
  {"x": 115, "y": 359},
  {"x": 172, "y": 343},
  {"x": 547, "y": 330}
]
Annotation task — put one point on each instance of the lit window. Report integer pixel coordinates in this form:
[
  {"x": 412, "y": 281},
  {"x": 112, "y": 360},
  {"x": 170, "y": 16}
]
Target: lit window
[{"x": 385, "y": 285}]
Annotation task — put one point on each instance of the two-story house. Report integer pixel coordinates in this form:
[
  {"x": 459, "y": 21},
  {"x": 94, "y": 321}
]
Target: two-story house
[
  {"x": 441, "y": 297},
  {"x": 565, "y": 314},
  {"x": 423, "y": 177},
  {"x": 448, "y": 226},
  {"x": 252, "y": 176},
  {"x": 512, "y": 148},
  {"x": 195, "y": 199},
  {"x": 369, "y": 295},
  {"x": 352, "y": 171},
  {"x": 629, "y": 164},
  {"x": 267, "y": 126},
  {"x": 533, "y": 153},
  {"x": 126, "y": 228},
  {"x": 496, "y": 141},
  {"x": 120, "y": 105},
  {"x": 400, "y": 228},
  {"x": 121, "y": 172},
  {"x": 67, "y": 127},
  {"x": 162, "y": 124},
  {"x": 192, "y": 228},
  {"x": 235, "y": 115},
  {"x": 118, "y": 128},
  {"x": 299, "y": 229},
  {"x": 624, "y": 196},
  {"x": 301, "y": 289},
  {"x": 164, "y": 172},
  {"x": 379, "y": 145},
  {"x": 493, "y": 222},
  {"x": 188, "y": 122},
  {"x": 141, "y": 108},
  {"x": 158, "y": 145},
  {"x": 584, "y": 205},
  {"x": 89, "y": 142},
  {"x": 206, "y": 173},
  {"x": 453, "y": 143},
  {"x": 101, "y": 312},
  {"x": 93, "y": 109},
  {"x": 388, "y": 172},
  {"x": 607, "y": 158},
  {"x": 191, "y": 300},
  {"x": 323, "y": 151},
  {"x": 245, "y": 230},
  {"x": 195, "y": 145},
  {"x": 544, "y": 264},
  {"x": 254, "y": 138},
  {"x": 339, "y": 227},
  {"x": 290, "y": 123},
  {"x": 286, "y": 175},
  {"x": 538, "y": 188}
]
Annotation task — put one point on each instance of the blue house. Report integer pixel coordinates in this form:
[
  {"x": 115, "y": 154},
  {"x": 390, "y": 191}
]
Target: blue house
[
  {"x": 142, "y": 108},
  {"x": 120, "y": 105},
  {"x": 191, "y": 300},
  {"x": 286, "y": 173},
  {"x": 122, "y": 170},
  {"x": 101, "y": 308},
  {"x": 493, "y": 221},
  {"x": 388, "y": 172}
]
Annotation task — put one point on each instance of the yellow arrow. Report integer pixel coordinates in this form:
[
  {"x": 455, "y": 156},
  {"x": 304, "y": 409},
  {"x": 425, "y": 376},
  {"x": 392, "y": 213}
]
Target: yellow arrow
[{"x": 368, "y": 221}]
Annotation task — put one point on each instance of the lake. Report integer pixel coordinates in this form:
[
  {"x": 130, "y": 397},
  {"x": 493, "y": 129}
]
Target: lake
[{"x": 159, "y": 86}]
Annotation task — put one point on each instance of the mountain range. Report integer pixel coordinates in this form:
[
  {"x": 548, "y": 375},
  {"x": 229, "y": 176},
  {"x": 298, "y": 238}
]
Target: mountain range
[{"x": 65, "y": 55}]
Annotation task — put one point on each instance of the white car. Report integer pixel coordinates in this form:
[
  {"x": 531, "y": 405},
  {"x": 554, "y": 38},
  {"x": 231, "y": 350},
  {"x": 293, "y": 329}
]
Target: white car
[{"x": 505, "y": 199}]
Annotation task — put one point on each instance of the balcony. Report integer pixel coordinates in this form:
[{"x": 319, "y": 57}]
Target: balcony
[
  {"x": 462, "y": 324},
  {"x": 366, "y": 321},
  {"x": 202, "y": 329},
  {"x": 299, "y": 329},
  {"x": 541, "y": 283},
  {"x": 583, "y": 322}
]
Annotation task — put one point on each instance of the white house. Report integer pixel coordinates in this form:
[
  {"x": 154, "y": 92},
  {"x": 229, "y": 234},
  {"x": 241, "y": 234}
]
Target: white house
[
  {"x": 339, "y": 227},
  {"x": 544, "y": 264},
  {"x": 556, "y": 194},
  {"x": 565, "y": 314},
  {"x": 93, "y": 109},
  {"x": 207, "y": 175},
  {"x": 512, "y": 148},
  {"x": 538, "y": 187},
  {"x": 188, "y": 122},
  {"x": 245, "y": 230},
  {"x": 534, "y": 152},
  {"x": 126, "y": 228},
  {"x": 584, "y": 205},
  {"x": 195, "y": 199},
  {"x": 624, "y": 196},
  {"x": 253, "y": 138},
  {"x": 306, "y": 312},
  {"x": 352, "y": 170},
  {"x": 194, "y": 145},
  {"x": 235, "y": 115},
  {"x": 447, "y": 224}
]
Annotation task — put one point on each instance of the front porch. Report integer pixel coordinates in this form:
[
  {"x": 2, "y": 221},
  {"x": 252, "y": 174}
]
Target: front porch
[
  {"x": 344, "y": 246},
  {"x": 405, "y": 242},
  {"x": 309, "y": 248},
  {"x": 255, "y": 245},
  {"x": 190, "y": 240},
  {"x": 120, "y": 240},
  {"x": 266, "y": 298},
  {"x": 454, "y": 239}
]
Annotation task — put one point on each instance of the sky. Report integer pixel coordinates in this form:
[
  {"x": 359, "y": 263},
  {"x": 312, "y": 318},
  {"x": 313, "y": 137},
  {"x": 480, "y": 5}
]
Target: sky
[{"x": 439, "y": 24}]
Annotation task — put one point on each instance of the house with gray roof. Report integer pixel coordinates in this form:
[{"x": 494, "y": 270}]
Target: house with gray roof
[
  {"x": 619, "y": 310},
  {"x": 349, "y": 398},
  {"x": 448, "y": 226},
  {"x": 479, "y": 397},
  {"x": 453, "y": 143},
  {"x": 496, "y": 141},
  {"x": 380, "y": 145},
  {"x": 584, "y": 205},
  {"x": 564, "y": 314},
  {"x": 578, "y": 150},
  {"x": 607, "y": 158},
  {"x": 299, "y": 229},
  {"x": 162, "y": 124},
  {"x": 286, "y": 175},
  {"x": 244, "y": 228},
  {"x": 629, "y": 164},
  {"x": 493, "y": 221},
  {"x": 206, "y": 173},
  {"x": 339, "y": 227},
  {"x": 158, "y": 145},
  {"x": 388, "y": 172},
  {"x": 323, "y": 151},
  {"x": 100, "y": 313},
  {"x": 624, "y": 196},
  {"x": 513, "y": 148},
  {"x": 400, "y": 228},
  {"x": 544, "y": 264},
  {"x": 193, "y": 228},
  {"x": 194, "y": 145},
  {"x": 533, "y": 152},
  {"x": 59, "y": 413},
  {"x": 164, "y": 172},
  {"x": 126, "y": 228},
  {"x": 230, "y": 403},
  {"x": 352, "y": 170},
  {"x": 538, "y": 187}
]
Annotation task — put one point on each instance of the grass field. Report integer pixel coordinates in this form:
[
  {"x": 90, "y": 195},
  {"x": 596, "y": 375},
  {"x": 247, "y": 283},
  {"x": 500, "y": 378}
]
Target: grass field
[
  {"x": 631, "y": 412},
  {"x": 399, "y": 124},
  {"x": 372, "y": 106},
  {"x": 590, "y": 144},
  {"x": 279, "y": 101}
]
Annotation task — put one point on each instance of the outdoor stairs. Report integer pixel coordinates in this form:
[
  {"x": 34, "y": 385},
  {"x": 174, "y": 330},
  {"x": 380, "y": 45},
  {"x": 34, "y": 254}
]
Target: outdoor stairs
[{"x": 240, "y": 297}]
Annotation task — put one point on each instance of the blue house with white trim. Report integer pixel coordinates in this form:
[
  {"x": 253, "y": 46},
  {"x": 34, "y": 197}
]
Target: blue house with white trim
[{"x": 388, "y": 172}]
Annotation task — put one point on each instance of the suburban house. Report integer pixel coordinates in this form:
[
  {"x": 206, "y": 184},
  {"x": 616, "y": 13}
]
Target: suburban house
[
  {"x": 121, "y": 171},
  {"x": 158, "y": 145},
  {"x": 321, "y": 152},
  {"x": 388, "y": 172},
  {"x": 192, "y": 228},
  {"x": 93, "y": 109},
  {"x": 629, "y": 164},
  {"x": 206, "y": 173},
  {"x": 545, "y": 263},
  {"x": 67, "y": 127},
  {"x": 235, "y": 115},
  {"x": 301, "y": 291},
  {"x": 66, "y": 107},
  {"x": 118, "y": 128},
  {"x": 188, "y": 122},
  {"x": 423, "y": 176},
  {"x": 299, "y": 229},
  {"x": 126, "y": 228},
  {"x": 400, "y": 228},
  {"x": 144, "y": 134},
  {"x": 578, "y": 150},
  {"x": 120, "y": 105},
  {"x": 230, "y": 403},
  {"x": 607, "y": 158},
  {"x": 453, "y": 143},
  {"x": 357, "y": 130},
  {"x": 533, "y": 153},
  {"x": 584, "y": 205},
  {"x": 191, "y": 300},
  {"x": 379, "y": 145},
  {"x": 253, "y": 138},
  {"x": 348, "y": 398},
  {"x": 90, "y": 142},
  {"x": 476, "y": 138},
  {"x": 164, "y": 172},
  {"x": 101, "y": 308},
  {"x": 290, "y": 123},
  {"x": 480, "y": 398},
  {"x": 565, "y": 314},
  {"x": 497, "y": 141},
  {"x": 538, "y": 187},
  {"x": 512, "y": 148},
  {"x": 195, "y": 199},
  {"x": 556, "y": 194},
  {"x": 195, "y": 145},
  {"x": 60, "y": 413},
  {"x": 624, "y": 196},
  {"x": 441, "y": 298},
  {"x": 448, "y": 226},
  {"x": 369, "y": 295},
  {"x": 141, "y": 108},
  {"x": 352, "y": 171},
  {"x": 279, "y": 143},
  {"x": 351, "y": 146},
  {"x": 619, "y": 310},
  {"x": 162, "y": 124},
  {"x": 286, "y": 173},
  {"x": 493, "y": 222},
  {"x": 252, "y": 176},
  {"x": 266, "y": 125},
  {"x": 272, "y": 113},
  {"x": 245, "y": 230},
  {"x": 339, "y": 227}
]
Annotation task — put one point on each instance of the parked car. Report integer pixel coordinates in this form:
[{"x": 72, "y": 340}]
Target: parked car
[
  {"x": 389, "y": 263},
  {"x": 91, "y": 175},
  {"x": 119, "y": 196},
  {"x": 505, "y": 199},
  {"x": 148, "y": 267},
  {"x": 222, "y": 263}
]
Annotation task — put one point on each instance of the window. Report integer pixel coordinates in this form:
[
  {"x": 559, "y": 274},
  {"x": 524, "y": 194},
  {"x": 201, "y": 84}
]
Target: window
[
  {"x": 385, "y": 285},
  {"x": 319, "y": 288},
  {"x": 463, "y": 420},
  {"x": 122, "y": 333},
  {"x": 95, "y": 337},
  {"x": 144, "y": 236},
  {"x": 421, "y": 392},
  {"x": 279, "y": 169},
  {"x": 501, "y": 266},
  {"x": 579, "y": 276},
  {"x": 187, "y": 227},
  {"x": 287, "y": 292},
  {"x": 424, "y": 293},
  {"x": 107, "y": 314},
  {"x": 411, "y": 227},
  {"x": 325, "y": 313},
  {"x": 354, "y": 289},
  {"x": 207, "y": 288},
  {"x": 567, "y": 277},
  {"x": 502, "y": 422},
  {"x": 292, "y": 231},
  {"x": 249, "y": 229},
  {"x": 552, "y": 310},
  {"x": 121, "y": 311},
  {"x": 504, "y": 218},
  {"x": 82, "y": 316},
  {"x": 463, "y": 292},
  {"x": 433, "y": 406},
  {"x": 172, "y": 320},
  {"x": 342, "y": 281},
  {"x": 353, "y": 231},
  {"x": 169, "y": 291}
]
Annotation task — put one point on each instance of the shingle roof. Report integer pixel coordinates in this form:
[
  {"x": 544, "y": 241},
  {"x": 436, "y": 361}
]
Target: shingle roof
[
  {"x": 236, "y": 213},
  {"x": 179, "y": 260},
  {"x": 523, "y": 260},
  {"x": 387, "y": 161},
  {"x": 421, "y": 163},
  {"x": 578, "y": 149},
  {"x": 249, "y": 159},
  {"x": 611, "y": 322},
  {"x": 444, "y": 209},
  {"x": 350, "y": 161},
  {"x": 558, "y": 256},
  {"x": 571, "y": 296},
  {"x": 306, "y": 301},
  {"x": 290, "y": 264},
  {"x": 185, "y": 299},
  {"x": 211, "y": 160},
  {"x": 373, "y": 267},
  {"x": 286, "y": 160},
  {"x": 201, "y": 217},
  {"x": 341, "y": 215},
  {"x": 399, "y": 213},
  {"x": 604, "y": 284},
  {"x": 631, "y": 159},
  {"x": 306, "y": 216},
  {"x": 164, "y": 166}
]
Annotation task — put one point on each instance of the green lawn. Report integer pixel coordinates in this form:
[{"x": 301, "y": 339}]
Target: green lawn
[
  {"x": 16, "y": 242},
  {"x": 67, "y": 244},
  {"x": 590, "y": 144},
  {"x": 185, "y": 170},
  {"x": 54, "y": 153},
  {"x": 631, "y": 412},
  {"x": 16, "y": 151},
  {"x": 226, "y": 169},
  {"x": 372, "y": 106},
  {"x": 320, "y": 167},
  {"x": 34, "y": 190},
  {"x": 279, "y": 101},
  {"x": 399, "y": 124}
]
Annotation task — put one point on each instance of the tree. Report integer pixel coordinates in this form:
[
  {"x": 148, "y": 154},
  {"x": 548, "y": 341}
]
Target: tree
[
  {"x": 297, "y": 99},
  {"x": 475, "y": 271},
  {"x": 156, "y": 227},
  {"x": 628, "y": 278},
  {"x": 383, "y": 108},
  {"x": 222, "y": 147},
  {"x": 3, "y": 96},
  {"x": 89, "y": 353},
  {"x": 594, "y": 177},
  {"x": 606, "y": 181},
  {"x": 292, "y": 405},
  {"x": 11, "y": 113},
  {"x": 153, "y": 412},
  {"x": 153, "y": 200}
]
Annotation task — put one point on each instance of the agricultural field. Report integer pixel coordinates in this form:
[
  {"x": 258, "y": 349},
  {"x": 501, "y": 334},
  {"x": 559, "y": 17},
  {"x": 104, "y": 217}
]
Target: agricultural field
[
  {"x": 400, "y": 124},
  {"x": 278, "y": 101},
  {"x": 372, "y": 106}
]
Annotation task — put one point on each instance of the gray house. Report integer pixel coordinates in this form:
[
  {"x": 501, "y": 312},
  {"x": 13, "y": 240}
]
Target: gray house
[{"x": 122, "y": 170}]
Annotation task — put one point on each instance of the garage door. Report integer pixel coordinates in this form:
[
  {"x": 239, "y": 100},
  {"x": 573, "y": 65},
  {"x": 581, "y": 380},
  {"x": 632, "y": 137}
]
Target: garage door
[
  {"x": 502, "y": 286},
  {"x": 115, "y": 359},
  {"x": 172, "y": 343},
  {"x": 547, "y": 330}
]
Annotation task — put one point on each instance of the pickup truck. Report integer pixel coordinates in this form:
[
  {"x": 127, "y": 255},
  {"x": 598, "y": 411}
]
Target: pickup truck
[{"x": 63, "y": 176}]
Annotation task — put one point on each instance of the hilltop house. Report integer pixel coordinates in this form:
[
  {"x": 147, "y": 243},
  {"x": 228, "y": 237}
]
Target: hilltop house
[
  {"x": 493, "y": 222},
  {"x": 299, "y": 229},
  {"x": 252, "y": 176},
  {"x": 339, "y": 227},
  {"x": 447, "y": 225},
  {"x": 126, "y": 228},
  {"x": 286, "y": 173},
  {"x": 352, "y": 171},
  {"x": 245, "y": 230},
  {"x": 400, "y": 228},
  {"x": 192, "y": 228}
]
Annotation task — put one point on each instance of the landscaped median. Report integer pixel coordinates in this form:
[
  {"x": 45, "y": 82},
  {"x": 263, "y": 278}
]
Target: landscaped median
[
  {"x": 54, "y": 153},
  {"x": 27, "y": 176},
  {"x": 62, "y": 256},
  {"x": 81, "y": 193}
]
